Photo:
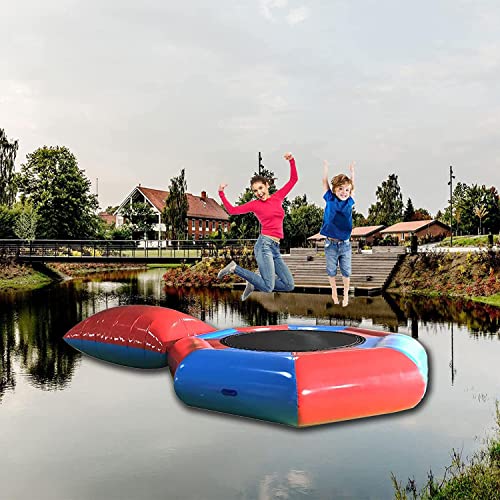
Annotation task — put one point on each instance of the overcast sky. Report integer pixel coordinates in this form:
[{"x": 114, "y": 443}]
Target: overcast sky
[{"x": 138, "y": 90}]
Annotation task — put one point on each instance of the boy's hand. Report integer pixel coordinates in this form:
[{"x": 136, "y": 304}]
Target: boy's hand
[
  {"x": 288, "y": 156},
  {"x": 325, "y": 168},
  {"x": 351, "y": 168},
  {"x": 222, "y": 186}
]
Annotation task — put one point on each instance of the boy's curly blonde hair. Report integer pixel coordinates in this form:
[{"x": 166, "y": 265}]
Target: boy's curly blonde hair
[{"x": 340, "y": 180}]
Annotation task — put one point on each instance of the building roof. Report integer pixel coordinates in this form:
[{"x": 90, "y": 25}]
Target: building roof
[
  {"x": 199, "y": 206},
  {"x": 366, "y": 230},
  {"x": 107, "y": 218},
  {"x": 412, "y": 226},
  {"x": 157, "y": 197}
]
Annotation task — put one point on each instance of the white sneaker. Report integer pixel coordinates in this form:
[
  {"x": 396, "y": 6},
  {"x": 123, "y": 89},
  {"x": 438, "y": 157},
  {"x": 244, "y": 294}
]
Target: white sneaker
[
  {"x": 248, "y": 290},
  {"x": 227, "y": 270}
]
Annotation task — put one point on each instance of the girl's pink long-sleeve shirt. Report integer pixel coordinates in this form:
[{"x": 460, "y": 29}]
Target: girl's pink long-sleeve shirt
[{"x": 269, "y": 212}]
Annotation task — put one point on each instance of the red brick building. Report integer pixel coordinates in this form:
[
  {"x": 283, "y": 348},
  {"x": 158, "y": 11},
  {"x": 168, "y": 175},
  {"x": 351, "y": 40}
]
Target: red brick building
[
  {"x": 366, "y": 233},
  {"x": 205, "y": 215}
]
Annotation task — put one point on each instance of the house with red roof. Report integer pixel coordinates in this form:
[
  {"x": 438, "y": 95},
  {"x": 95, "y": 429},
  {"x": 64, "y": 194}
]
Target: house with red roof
[
  {"x": 366, "y": 233},
  {"x": 205, "y": 215},
  {"x": 424, "y": 229},
  {"x": 109, "y": 219}
]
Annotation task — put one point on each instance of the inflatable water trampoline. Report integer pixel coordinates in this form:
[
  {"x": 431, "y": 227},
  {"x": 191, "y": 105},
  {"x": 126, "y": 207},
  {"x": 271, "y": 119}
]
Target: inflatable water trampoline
[{"x": 290, "y": 374}]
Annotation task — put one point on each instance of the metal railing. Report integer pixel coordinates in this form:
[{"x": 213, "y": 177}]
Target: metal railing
[{"x": 117, "y": 250}]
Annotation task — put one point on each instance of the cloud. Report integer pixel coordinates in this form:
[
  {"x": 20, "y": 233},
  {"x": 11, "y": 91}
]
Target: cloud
[
  {"x": 296, "y": 16},
  {"x": 266, "y": 7}
]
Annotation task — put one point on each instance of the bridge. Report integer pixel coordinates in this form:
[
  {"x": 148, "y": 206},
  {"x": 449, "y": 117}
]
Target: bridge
[
  {"x": 139, "y": 251},
  {"x": 371, "y": 273}
]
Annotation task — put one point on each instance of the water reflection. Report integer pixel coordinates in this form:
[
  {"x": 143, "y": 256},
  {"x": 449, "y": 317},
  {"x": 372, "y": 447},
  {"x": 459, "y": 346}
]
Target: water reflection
[
  {"x": 31, "y": 328},
  {"x": 32, "y": 324},
  {"x": 480, "y": 319},
  {"x": 129, "y": 436},
  {"x": 294, "y": 484}
]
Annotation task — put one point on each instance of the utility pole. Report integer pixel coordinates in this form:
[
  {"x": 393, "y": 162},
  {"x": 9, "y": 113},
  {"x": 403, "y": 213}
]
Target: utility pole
[
  {"x": 261, "y": 166},
  {"x": 450, "y": 183},
  {"x": 97, "y": 192}
]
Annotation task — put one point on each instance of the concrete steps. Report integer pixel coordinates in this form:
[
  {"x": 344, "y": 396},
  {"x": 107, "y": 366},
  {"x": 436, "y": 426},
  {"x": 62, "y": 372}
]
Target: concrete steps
[{"x": 370, "y": 272}]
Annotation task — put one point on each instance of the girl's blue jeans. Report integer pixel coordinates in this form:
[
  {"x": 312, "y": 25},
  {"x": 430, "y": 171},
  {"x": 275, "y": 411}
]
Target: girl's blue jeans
[{"x": 274, "y": 273}]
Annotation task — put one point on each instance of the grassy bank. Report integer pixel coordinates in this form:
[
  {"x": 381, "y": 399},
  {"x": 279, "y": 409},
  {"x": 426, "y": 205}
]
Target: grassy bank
[
  {"x": 73, "y": 269},
  {"x": 21, "y": 277},
  {"x": 473, "y": 275},
  {"x": 15, "y": 276},
  {"x": 470, "y": 241},
  {"x": 474, "y": 478}
]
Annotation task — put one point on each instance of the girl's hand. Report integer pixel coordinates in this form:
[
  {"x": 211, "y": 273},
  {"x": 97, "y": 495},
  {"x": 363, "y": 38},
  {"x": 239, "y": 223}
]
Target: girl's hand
[
  {"x": 288, "y": 156},
  {"x": 325, "y": 168},
  {"x": 222, "y": 186}
]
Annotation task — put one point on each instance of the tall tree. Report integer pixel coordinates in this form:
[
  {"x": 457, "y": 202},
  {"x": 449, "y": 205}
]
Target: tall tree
[
  {"x": 60, "y": 192},
  {"x": 388, "y": 209},
  {"x": 306, "y": 220},
  {"x": 465, "y": 200},
  {"x": 26, "y": 223},
  {"x": 409, "y": 211},
  {"x": 481, "y": 212},
  {"x": 139, "y": 217},
  {"x": 8, "y": 152},
  {"x": 176, "y": 207}
]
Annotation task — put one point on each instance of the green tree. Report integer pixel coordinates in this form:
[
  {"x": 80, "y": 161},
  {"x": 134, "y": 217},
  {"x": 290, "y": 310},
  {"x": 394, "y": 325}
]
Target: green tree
[
  {"x": 26, "y": 223},
  {"x": 298, "y": 201},
  {"x": 358, "y": 219},
  {"x": 306, "y": 220},
  {"x": 421, "y": 214},
  {"x": 140, "y": 217},
  {"x": 409, "y": 211},
  {"x": 121, "y": 233},
  {"x": 176, "y": 207},
  {"x": 459, "y": 205},
  {"x": 480, "y": 212},
  {"x": 110, "y": 209},
  {"x": 388, "y": 209},
  {"x": 8, "y": 217},
  {"x": 465, "y": 200},
  {"x": 491, "y": 202},
  {"x": 8, "y": 152},
  {"x": 60, "y": 192}
]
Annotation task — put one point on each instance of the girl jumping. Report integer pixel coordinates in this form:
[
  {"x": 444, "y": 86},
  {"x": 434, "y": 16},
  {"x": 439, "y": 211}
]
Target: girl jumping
[{"x": 274, "y": 273}]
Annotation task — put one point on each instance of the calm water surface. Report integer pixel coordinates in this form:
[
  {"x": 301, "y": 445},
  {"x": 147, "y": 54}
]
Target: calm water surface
[{"x": 73, "y": 428}]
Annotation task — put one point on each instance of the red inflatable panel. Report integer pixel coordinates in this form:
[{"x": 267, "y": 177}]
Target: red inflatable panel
[
  {"x": 353, "y": 383},
  {"x": 145, "y": 327}
]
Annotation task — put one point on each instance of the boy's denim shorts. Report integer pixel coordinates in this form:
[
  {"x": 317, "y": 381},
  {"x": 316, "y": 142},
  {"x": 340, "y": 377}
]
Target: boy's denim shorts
[{"x": 338, "y": 253}]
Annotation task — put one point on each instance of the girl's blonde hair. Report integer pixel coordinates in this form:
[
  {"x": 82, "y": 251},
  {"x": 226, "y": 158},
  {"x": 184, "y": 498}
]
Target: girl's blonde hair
[{"x": 340, "y": 180}]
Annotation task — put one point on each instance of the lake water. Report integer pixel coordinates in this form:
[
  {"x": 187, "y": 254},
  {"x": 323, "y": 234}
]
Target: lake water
[{"x": 72, "y": 427}]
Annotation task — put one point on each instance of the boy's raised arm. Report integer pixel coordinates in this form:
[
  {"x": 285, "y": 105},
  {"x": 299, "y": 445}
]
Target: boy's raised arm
[
  {"x": 326, "y": 185},
  {"x": 351, "y": 171}
]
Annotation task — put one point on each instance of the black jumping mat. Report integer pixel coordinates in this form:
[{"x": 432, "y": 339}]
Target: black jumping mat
[{"x": 292, "y": 340}]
